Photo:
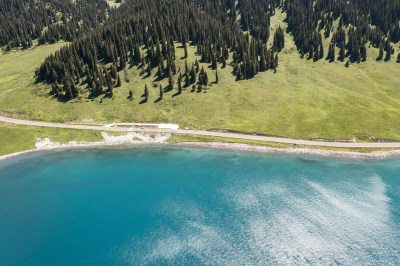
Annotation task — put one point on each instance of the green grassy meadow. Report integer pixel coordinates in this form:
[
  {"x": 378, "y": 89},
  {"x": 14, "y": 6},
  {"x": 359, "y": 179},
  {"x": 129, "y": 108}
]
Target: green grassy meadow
[
  {"x": 15, "y": 138},
  {"x": 302, "y": 100}
]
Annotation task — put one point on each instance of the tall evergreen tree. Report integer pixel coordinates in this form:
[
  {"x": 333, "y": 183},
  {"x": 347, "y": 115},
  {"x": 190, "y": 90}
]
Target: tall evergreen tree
[
  {"x": 161, "y": 92},
  {"x": 170, "y": 80},
  {"x": 180, "y": 84},
  {"x": 118, "y": 81},
  {"x": 342, "y": 52},
  {"x": 380, "y": 56},
  {"x": 146, "y": 93},
  {"x": 388, "y": 53},
  {"x": 321, "y": 51}
]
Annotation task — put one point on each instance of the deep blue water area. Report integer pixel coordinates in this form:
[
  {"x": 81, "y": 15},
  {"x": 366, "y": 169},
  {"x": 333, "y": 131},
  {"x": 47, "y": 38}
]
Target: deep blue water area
[{"x": 165, "y": 205}]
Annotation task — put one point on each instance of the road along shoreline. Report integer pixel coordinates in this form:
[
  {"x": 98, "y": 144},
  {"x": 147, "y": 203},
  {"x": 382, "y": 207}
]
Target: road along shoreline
[
  {"x": 136, "y": 138},
  {"x": 208, "y": 133}
]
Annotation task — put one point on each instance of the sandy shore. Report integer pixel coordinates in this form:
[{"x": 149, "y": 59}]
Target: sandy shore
[{"x": 137, "y": 138}]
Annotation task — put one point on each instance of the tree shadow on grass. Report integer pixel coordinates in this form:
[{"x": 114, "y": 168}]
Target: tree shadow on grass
[{"x": 176, "y": 94}]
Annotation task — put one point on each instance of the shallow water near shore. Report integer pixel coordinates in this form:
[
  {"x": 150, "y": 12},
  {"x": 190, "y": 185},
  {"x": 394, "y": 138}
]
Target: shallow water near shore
[{"x": 178, "y": 205}]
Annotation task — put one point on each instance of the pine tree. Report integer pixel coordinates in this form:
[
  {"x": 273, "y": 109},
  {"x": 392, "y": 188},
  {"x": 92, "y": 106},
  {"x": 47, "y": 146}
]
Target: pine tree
[
  {"x": 93, "y": 86},
  {"x": 161, "y": 92},
  {"x": 118, "y": 81},
  {"x": 363, "y": 52},
  {"x": 388, "y": 53},
  {"x": 110, "y": 90},
  {"x": 213, "y": 61},
  {"x": 203, "y": 78},
  {"x": 331, "y": 53},
  {"x": 316, "y": 55},
  {"x": 355, "y": 53},
  {"x": 99, "y": 87},
  {"x": 342, "y": 52},
  {"x": 239, "y": 74},
  {"x": 67, "y": 88},
  {"x": 192, "y": 75},
  {"x": 216, "y": 76},
  {"x": 186, "y": 52},
  {"x": 311, "y": 53},
  {"x": 170, "y": 80},
  {"x": 187, "y": 79},
  {"x": 148, "y": 69},
  {"x": 130, "y": 95},
  {"x": 380, "y": 51},
  {"x": 321, "y": 51},
  {"x": 180, "y": 84},
  {"x": 146, "y": 93},
  {"x": 113, "y": 72},
  {"x": 347, "y": 63},
  {"x": 235, "y": 69}
]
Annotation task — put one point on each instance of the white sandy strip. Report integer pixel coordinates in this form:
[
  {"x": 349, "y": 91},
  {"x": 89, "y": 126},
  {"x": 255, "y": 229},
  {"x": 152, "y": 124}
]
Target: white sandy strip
[{"x": 160, "y": 138}]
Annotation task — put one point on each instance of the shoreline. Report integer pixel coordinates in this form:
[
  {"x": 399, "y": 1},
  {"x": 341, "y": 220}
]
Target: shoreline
[
  {"x": 161, "y": 139},
  {"x": 234, "y": 135},
  {"x": 294, "y": 151}
]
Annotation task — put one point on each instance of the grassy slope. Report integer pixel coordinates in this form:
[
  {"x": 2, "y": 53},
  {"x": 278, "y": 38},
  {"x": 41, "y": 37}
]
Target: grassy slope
[
  {"x": 302, "y": 100},
  {"x": 15, "y": 138}
]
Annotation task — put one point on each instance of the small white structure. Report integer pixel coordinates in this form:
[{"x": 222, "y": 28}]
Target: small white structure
[{"x": 142, "y": 125}]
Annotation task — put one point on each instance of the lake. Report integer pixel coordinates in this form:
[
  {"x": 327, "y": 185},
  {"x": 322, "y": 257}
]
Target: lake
[{"x": 179, "y": 205}]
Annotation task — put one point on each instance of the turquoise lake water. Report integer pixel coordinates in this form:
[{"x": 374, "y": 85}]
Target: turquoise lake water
[{"x": 160, "y": 205}]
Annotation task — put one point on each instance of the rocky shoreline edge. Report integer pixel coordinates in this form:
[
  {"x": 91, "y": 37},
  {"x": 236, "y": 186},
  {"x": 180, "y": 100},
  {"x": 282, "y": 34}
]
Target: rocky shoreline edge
[{"x": 135, "y": 138}]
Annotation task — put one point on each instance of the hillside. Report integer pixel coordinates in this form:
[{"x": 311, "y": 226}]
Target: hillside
[{"x": 307, "y": 97}]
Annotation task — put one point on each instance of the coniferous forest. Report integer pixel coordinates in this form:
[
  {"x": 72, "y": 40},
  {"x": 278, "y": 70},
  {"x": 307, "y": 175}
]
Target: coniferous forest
[
  {"x": 48, "y": 21},
  {"x": 104, "y": 42}
]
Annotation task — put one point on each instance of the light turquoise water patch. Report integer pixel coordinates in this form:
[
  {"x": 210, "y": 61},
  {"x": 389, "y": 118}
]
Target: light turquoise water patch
[{"x": 170, "y": 205}]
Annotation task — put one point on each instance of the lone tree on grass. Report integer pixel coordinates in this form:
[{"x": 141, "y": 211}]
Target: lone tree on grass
[{"x": 146, "y": 93}]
